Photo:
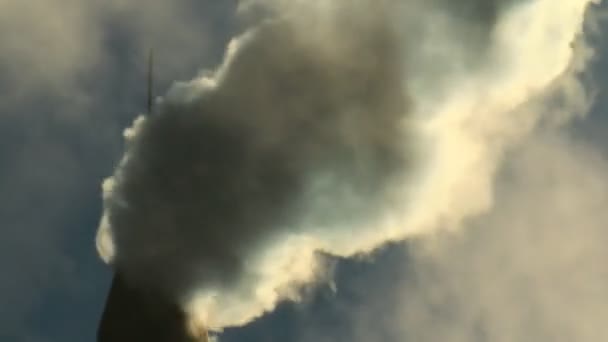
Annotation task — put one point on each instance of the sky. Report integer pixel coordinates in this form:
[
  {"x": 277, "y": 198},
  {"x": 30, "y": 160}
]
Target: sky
[{"x": 72, "y": 74}]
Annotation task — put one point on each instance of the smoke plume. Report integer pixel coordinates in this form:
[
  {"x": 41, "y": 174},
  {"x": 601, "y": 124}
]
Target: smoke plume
[
  {"x": 531, "y": 269},
  {"x": 331, "y": 126}
]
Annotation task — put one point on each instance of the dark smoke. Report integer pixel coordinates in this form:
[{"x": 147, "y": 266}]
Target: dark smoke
[
  {"x": 297, "y": 142},
  {"x": 294, "y": 120}
]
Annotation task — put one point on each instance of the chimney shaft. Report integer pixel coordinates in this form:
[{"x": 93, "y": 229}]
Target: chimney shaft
[{"x": 133, "y": 314}]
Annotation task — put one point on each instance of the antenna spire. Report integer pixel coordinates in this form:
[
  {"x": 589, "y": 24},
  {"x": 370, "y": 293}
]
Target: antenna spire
[{"x": 150, "y": 81}]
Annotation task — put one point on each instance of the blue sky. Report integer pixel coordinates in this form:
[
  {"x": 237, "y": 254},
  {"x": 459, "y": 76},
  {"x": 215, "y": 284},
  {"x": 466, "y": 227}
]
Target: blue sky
[{"x": 61, "y": 135}]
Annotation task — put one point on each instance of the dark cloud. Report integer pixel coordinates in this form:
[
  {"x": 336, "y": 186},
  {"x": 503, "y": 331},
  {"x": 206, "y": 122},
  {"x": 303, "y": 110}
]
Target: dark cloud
[
  {"x": 208, "y": 181},
  {"x": 474, "y": 19},
  {"x": 476, "y": 12}
]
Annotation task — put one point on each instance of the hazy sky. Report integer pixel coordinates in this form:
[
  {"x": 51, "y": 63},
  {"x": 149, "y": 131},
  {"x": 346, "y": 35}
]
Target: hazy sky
[{"x": 72, "y": 76}]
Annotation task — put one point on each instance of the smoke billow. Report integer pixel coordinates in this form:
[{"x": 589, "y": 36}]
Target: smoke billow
[
  {"x": 288, "y": 120},
  {"x": 309, "y": 138},
  {"x": 531, "y": 269}
]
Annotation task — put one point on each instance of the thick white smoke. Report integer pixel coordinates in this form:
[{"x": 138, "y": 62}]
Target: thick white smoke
[
  {"x": 407, "y": 108},
  {"x": 531, "y": 269}
]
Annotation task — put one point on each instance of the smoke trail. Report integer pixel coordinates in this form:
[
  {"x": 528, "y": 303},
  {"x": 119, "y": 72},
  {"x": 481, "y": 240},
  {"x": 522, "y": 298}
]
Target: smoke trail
[
  {"x": 530, "y": 270},
  {"x": 306, "y": 139}
]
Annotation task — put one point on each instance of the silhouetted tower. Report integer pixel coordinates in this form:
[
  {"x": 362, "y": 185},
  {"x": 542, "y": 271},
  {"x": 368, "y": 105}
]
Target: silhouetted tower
[{"x": 136, "y": 313}]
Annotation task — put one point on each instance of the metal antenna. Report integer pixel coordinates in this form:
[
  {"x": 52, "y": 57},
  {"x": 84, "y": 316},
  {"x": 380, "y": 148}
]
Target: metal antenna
[{"x": 150, "y": 81}]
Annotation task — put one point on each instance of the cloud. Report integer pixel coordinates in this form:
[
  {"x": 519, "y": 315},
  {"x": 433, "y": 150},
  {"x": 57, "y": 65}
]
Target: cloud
[
  {"x": 43, "y": 45},
  {"x": 528, "y": 270},
  {"x": 297, "y": 142},
  {"x": 60, "y": 118}
]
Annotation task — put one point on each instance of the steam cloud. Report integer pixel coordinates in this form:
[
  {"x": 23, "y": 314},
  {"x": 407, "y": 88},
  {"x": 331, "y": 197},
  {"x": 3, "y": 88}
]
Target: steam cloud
[{"x": 310, "y": 137}]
